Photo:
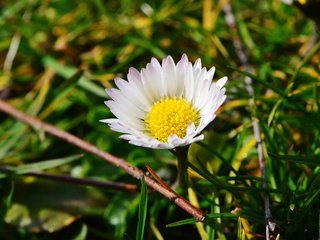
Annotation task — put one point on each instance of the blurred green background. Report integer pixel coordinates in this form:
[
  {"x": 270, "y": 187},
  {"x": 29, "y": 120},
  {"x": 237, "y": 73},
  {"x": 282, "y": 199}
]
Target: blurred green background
[{"x": 56, "y": 59}]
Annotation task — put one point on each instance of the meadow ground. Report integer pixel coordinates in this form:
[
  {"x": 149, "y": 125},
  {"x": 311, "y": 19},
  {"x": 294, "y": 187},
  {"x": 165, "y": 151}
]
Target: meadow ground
[{"x": 258, "y": 164}]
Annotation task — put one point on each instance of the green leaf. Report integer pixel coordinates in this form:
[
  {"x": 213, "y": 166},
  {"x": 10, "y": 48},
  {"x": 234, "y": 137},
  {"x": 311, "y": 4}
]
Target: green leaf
[
  {"x": 38, "y": 166},
  {"x": 6, "y": 202},
  {"x": 142, "y": 210},
  {"x": 147, "y": 44},
  {"x": 221, "y": 215},
  {"x": 216, "y": 153},
  {"x": 68, "y": 71},
  {"x": 309, "y": 159},
  {"x": 208, "y": 217},
  {"x": 182, "y": 222},
  {"x": 82, "y": 234}
]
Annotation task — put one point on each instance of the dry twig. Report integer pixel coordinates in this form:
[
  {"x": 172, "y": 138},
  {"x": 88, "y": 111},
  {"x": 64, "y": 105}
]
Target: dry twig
[{"x": 121, "y": 186}]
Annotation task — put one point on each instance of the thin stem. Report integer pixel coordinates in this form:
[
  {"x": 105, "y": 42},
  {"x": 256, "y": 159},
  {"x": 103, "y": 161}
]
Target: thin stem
[
  {"x": 79, "y": 181},
  {"x": 182, "y": 159},
  {"x": 230, "y": 19},
  {"x": 118, "y": 162}
]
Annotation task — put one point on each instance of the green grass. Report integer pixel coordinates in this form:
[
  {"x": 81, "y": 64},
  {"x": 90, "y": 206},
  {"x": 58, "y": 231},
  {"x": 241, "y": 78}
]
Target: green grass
[{"x": 70, "y": 51}]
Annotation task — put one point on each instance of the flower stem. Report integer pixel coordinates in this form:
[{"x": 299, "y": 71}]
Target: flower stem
[{"x": 182, "y": 156}]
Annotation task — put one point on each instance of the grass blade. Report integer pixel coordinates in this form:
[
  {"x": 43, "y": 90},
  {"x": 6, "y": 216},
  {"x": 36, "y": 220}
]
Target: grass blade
[
  {"x": 38, "y": 166},
  {"x": 182, "y": 222},
  {"x": 142, "y": 210},
  {"x": 208, "y": 218},
  {"x": 6, "y": 202},
  {"x": 310, "y": 160}
]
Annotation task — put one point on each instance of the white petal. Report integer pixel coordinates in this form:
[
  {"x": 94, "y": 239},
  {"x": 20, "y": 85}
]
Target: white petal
[
  {"x": 189, "y": 83},
  {"x": 151, "y": 143},
  {"x": 196, "y": 139},
  {"x": 191, "y": 129},
  {"x": 136, "y": 84},
  {"x": 222, "y": 81},
  {"x": 118, "y": 126},
  {"x": 135, "y": 96},
  {"x": 210, "y": 73},
  {"x": 126, "y": 102},
  {"x": 174, "y": 140},
  {"x": 200, "y": 81},
  {"x": 157, "y": 75},
  {"x": 181, "y": 75},
  {"x": 132, "y": 99},
  {"x": 169, "y": 73},
  {"x": 197, "y": 65},
  {"x": 123, "y": 115},
  {"x": 203, "y": 93}
]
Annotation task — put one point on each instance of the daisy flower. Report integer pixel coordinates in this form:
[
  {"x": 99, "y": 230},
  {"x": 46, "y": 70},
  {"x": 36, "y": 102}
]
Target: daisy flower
[{"x": 165, "y": 105}]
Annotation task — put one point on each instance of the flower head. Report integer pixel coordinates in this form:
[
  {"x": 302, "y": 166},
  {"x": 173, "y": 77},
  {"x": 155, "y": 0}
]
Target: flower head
[{"x": 165, "y": 105}]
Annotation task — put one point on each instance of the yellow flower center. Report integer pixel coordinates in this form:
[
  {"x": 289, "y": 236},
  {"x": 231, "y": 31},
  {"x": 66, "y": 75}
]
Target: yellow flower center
[{"x": 170, "y": 116}]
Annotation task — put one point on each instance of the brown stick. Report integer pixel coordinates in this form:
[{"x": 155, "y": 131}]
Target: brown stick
[
  {"x": 75, "y": 180},
  {"x": 118, "y": 162}
]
